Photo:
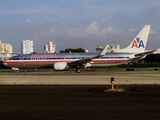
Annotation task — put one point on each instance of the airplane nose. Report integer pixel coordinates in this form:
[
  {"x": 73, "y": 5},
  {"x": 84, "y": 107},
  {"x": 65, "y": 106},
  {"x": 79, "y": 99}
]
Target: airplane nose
[{"x": 5, "y": 63}]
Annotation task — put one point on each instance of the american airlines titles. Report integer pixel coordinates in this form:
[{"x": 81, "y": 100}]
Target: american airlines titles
[{"x": 43, "y": 55}]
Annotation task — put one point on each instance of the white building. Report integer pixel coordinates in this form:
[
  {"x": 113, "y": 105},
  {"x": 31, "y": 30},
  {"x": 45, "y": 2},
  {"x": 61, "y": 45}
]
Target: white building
[
  {"x": 86, "y": 51},
  {"x": 27, "y": 46},
  {"x": 110, "y": 48},
  {"x": 99, "y": 49},
  {"x": 50, "y": 47}
]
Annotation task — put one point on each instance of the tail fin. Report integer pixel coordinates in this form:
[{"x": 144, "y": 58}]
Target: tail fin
[{"x": 139, "y": 43}]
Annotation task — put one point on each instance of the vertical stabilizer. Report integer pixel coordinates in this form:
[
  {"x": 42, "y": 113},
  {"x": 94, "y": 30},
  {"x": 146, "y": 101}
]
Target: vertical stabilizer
[{"x": 139, "y": 43}]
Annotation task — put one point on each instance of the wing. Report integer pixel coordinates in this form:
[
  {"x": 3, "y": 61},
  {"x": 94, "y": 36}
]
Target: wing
[{"x": 84, "y": 61}]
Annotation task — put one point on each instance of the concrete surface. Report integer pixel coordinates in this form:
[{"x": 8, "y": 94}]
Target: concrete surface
[{"x": 71, "y": 78}]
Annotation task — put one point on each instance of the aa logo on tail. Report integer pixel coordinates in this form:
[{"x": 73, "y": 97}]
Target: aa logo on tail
[{"x": 137, "y": 43}]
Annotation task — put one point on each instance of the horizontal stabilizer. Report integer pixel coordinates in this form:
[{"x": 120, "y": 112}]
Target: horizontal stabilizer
[
  {"x": 104, "y": 51},
  {"x": 140, "y": 56},
  {"x": 145, "y": 53}
]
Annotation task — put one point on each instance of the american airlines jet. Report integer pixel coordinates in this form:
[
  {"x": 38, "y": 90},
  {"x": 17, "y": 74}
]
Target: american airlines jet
[{"x": 65, "y": 61}]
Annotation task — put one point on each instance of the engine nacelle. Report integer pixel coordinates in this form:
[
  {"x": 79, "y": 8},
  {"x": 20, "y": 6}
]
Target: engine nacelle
[
  {"x": 87, "y": 65},
  {"x": 61, "y": 66}
]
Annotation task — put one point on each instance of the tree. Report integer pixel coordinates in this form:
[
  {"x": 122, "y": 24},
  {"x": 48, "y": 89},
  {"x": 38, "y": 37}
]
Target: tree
[
  {"x": 3, "y": 66},
  {"x": 72, "y": 50},
  {"x": 153, "y": 58}
]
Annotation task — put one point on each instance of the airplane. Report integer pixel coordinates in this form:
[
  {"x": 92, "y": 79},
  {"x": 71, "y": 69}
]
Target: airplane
[{"x": 65, "y": 61}]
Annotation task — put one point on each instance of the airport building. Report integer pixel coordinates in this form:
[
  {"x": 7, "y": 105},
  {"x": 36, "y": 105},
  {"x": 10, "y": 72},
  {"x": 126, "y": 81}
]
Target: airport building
[
  {"x": 5, "y": 48},
  {"x": 110, "y": 48},
  {"x": 27, "y": 46},
  {"x": 50, "y": 48}
]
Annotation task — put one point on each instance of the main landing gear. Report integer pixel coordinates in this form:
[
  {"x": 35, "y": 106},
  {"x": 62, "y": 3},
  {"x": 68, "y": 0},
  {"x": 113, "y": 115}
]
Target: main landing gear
[{"x": 78, "y": 70}]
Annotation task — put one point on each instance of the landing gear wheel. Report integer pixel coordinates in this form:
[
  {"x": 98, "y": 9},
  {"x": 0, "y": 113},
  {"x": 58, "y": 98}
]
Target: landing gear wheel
[{"x": 78, "y": 70}]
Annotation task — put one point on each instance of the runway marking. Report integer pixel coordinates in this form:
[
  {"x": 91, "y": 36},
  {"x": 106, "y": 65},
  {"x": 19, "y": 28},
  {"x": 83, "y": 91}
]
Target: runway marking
[{"x": 19, "y": 79}]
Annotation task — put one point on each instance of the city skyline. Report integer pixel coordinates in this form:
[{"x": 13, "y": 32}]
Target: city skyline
[{"x": 21, "y": 47}]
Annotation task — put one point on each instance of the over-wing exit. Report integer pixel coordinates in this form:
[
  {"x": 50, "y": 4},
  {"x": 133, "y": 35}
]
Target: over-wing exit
[{"x": 65, "y": 61}]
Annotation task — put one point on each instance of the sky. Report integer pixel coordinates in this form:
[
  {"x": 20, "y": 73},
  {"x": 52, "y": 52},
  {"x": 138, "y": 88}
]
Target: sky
[{"x": 78, "y": 23}]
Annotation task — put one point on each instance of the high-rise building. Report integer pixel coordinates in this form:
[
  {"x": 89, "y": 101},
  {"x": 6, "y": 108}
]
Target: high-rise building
[
  {"x": 27, "y": 46},
  {"x": 5, "y": 48},
  {"x": 50, "y": 47}
]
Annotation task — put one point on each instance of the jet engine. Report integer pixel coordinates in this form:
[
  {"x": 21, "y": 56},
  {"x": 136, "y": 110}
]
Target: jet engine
[
  {"x": 87, "y": 65},
  {"x": 61, "y": 66}
]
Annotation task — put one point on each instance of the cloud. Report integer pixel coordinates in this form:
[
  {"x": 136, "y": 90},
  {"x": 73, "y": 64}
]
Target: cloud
[
  {"x": 153, "y": 32},
  {"x": 110, "y": 16},
  {"x": 17, "y": 12},
  {"x": 92, "y": 28},
  {"x": 107, "y": 30},
  {"x": 78, "y": 24},
  {"x": 131, "y": 30},
  {"x": 28, "y": 20}
]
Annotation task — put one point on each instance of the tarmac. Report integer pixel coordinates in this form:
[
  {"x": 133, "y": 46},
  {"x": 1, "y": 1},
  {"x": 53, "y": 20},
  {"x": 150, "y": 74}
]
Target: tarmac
[
  {"x": 70, "y": 96},
  {"x": 86, "y": 78}
]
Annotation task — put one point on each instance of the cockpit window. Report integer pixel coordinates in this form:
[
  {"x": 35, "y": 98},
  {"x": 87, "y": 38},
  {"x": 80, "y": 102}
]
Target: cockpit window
[
  {"x": 11, "y": 58},
  {"x": 14, "y": 58}
]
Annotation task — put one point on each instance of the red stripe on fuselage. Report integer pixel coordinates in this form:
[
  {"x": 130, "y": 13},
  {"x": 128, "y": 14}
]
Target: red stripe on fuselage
[
  {"x": 32, "y": 62},
  {"x": 10, "y": 62}
]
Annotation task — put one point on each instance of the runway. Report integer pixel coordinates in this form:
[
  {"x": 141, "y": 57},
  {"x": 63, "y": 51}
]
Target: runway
[
  {"x": 87, "y": 78},
  {"x": 70, "y": 96}
]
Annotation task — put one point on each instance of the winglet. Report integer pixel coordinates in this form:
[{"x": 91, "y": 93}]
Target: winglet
[{"x": 104, "y": 51}]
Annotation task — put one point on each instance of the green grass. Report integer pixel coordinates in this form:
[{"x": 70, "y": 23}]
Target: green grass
[{"x": 121, "y": 88}]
